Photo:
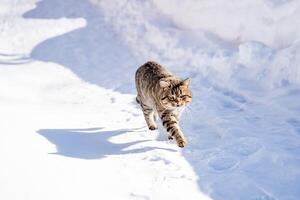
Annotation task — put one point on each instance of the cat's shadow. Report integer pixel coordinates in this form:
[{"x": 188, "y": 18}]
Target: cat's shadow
[{"x": 91, "y": 143}]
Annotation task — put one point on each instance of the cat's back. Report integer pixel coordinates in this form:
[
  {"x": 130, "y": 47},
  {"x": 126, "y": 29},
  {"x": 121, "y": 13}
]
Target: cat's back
[{"x": 151, "y": 71}]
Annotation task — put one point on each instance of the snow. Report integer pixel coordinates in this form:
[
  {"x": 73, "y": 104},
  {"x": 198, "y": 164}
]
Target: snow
[{"x": 70, "y": 127}]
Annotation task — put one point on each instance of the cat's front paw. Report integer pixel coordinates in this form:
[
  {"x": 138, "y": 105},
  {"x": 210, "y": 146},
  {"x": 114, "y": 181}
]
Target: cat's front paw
[
  {"x": 181, "y": 143},
  {"x": 152, "y": 127}
]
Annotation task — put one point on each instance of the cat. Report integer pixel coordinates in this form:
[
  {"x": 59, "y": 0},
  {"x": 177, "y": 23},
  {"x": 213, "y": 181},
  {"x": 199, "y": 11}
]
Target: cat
[{"x": 161, "y": 93}]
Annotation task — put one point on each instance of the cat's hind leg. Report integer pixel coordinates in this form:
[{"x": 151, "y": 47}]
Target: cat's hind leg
[
  {"x": 138, "y": 99},
  {"x": 149, "y": 115}
]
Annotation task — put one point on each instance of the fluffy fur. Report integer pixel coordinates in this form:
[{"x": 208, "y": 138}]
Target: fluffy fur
[{"x": 161, "y": 93}]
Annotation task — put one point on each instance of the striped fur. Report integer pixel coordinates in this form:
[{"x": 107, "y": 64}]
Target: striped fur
[{"x": 160, "y": 93}]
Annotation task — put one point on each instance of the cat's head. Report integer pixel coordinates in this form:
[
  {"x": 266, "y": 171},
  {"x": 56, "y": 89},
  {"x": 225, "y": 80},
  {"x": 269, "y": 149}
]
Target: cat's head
[{"x": 175, "y": 93}]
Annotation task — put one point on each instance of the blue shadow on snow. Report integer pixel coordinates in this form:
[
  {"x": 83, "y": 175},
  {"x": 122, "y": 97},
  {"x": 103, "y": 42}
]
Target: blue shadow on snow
[
  {"x": 94, "y": 53},
  {"x": 90, "y": 143}
]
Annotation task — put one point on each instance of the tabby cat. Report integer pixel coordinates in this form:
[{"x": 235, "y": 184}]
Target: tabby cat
[{"x": 160, "y": 92}]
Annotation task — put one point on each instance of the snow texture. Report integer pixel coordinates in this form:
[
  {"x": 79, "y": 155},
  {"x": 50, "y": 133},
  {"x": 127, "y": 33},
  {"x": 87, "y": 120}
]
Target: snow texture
[{"x": 70, "y": 127}]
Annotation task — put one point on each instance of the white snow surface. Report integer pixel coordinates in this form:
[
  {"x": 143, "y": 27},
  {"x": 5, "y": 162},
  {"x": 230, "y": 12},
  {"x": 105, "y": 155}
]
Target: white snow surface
[{"x": 70, "y": 127}]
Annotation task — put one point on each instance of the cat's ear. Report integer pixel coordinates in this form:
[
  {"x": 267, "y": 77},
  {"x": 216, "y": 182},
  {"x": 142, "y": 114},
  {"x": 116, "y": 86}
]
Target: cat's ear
[
  {"x": 186, "y": 82},
  {"x": 163, "y": 83}
]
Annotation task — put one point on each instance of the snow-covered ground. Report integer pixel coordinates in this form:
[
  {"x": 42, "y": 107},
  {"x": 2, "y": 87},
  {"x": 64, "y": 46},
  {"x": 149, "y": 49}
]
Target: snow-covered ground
[{"x": 70, "y": 128}]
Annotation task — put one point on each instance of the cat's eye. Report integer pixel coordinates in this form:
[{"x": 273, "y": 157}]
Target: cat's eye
[
  {"x": 163, "y": 98},
  {"x": 171, "y": 98},
  {"x": 185, "y": 96}
]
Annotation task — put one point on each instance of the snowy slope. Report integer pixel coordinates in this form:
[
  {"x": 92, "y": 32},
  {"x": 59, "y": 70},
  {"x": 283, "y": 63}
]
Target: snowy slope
[{"x": 71, "y": 129}]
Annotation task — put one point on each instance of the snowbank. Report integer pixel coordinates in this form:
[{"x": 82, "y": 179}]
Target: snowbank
[{"x": 218, "y": 39}]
